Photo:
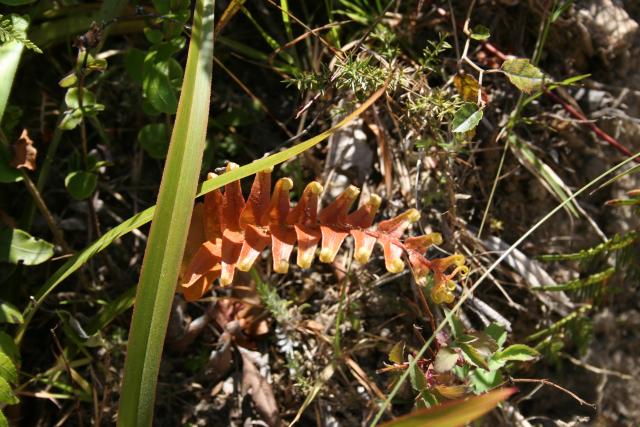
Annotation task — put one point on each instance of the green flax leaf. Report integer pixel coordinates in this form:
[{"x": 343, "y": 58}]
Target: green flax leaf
[{"x": 170, "y": 225}]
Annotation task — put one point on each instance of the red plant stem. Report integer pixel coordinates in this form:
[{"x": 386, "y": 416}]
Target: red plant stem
[
  {"x": 602, "y": 134},
  {"x": 570, "y": 109}
]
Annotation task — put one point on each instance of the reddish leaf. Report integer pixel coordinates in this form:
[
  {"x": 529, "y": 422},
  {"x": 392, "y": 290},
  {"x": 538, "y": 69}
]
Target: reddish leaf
[{"x": 24, "y": 156}]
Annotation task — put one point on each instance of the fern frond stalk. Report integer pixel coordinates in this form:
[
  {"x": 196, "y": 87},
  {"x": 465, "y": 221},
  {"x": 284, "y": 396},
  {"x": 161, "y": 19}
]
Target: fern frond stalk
[{"x": 237, "y": 231}]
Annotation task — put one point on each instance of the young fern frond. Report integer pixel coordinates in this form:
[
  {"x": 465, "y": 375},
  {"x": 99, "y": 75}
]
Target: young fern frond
[
  {"x": 9, "y": 33},
  {"x": 238, "y": 230}
]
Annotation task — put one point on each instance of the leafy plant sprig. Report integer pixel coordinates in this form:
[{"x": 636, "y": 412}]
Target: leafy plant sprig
[{"x": 12, "y": 28}]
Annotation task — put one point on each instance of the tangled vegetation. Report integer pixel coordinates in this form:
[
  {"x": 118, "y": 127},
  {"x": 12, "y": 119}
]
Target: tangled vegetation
[{"x": 488, "y": 148}]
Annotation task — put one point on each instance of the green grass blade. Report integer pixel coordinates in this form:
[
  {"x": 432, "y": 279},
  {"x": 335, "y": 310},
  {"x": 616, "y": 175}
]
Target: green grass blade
[
  {"x": 545, "y": 174},
  {"x": 138, "y": 220},
  {"x": 169, "y": 228}
]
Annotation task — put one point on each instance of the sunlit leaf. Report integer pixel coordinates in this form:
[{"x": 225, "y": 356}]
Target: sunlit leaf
[
  {"x": 20, "y": 247},
  {"x": 524, "y": 75},
  {"x": 466, "y": 118},
  {"x": 418, "y": 380},
  {"x": 517, "y": 352},
  {"x": 72, "y": 98},
  {"x": 396, "y": 355},
  {"x": 9, "y": 313},
  {"x": 6, "y": 394},
  {"x": 467, "y": 86},
  {"x": 445, "y": 359},
  {"x": 480, "y": 32},
  {"x": 453, "y": 414},
  {"x": 68, "y": 80},
  {"x": 8, "y": 369},
  {"x": 473, "y": 355}
]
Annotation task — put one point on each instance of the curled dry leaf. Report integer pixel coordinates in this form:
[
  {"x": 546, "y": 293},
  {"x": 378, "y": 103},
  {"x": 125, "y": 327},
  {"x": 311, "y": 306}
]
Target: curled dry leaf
[
  {"x": 260, "y": 391},
  {"x": 238, "y": 230},
  {"x": 24, "y": 153}
]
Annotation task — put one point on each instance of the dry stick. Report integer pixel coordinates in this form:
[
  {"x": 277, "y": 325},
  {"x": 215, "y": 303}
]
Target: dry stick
[
  {"x": 68, "y": 369},
  {"x": 597, "y": 370},
  {"x": 46, "y": 213},
  {"x": 333, "y": 50},
  {"x": 303, "y": 36},
  {"x": 583, "y": 119},
  {"x": 552, "y": 384},
  {"x": 248, "y": 91},
  {"x": 468, "y": 292}
]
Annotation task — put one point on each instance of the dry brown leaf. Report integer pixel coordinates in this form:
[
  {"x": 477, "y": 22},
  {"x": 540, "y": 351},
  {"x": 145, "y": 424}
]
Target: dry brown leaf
[
  {"x": 467, "y": 86},
  {"x": 260, "y": 391},
  {"x": 24, "y": 153},
  {"x": 385, "y": 155},
  {"x": 221, "y": 358}
]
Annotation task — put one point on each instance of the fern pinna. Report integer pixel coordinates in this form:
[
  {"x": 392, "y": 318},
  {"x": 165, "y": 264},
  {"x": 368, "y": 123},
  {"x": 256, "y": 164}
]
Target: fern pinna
[{"x": 237, "y": 231}]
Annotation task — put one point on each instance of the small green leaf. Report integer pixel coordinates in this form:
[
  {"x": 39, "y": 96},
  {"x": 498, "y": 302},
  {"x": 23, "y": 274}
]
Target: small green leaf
[
  {"x": 9, "y": 313},
  {"x": 483, "y": 380},
  {"x": 154, "y": 36},
  {"x": 497, "y": 332},
  {"x": 71, "y": 119},
  {"x": 20, "y": 247},
  {"x": 9, "y": 347},
  {"x": 72, "y": 98},
  {"x": 428, "y": 399},
  {"x": 480, "y": 32},
  {"x": 68, "y": 80},
  {"x": 522, "y": 74},
  {"x": 6, "y": 394},
  {"x": 134, "y": 64},
  {"x": 81, "y": 184},
  {"x": 453, "y": 413},
  {"x": 466, "y": 118},
  {"x": 418, "y": 380},
  {"x": 473, "y": 355},
  {"x": 154, "y": 138},
  {"x": 157, "y": 85},
  {"x": 8, "y": 369},
  {"x": 517, "y": 352},
  {"x": 97, "y": 64},
  {"x": 3, "y": 420},
  {"x": 396, "y": 355},
  {"x": 446, "y": 359}
]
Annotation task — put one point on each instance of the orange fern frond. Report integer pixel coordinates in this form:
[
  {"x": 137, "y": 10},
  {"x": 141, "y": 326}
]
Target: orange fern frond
[{"x": 237, "y": 231}]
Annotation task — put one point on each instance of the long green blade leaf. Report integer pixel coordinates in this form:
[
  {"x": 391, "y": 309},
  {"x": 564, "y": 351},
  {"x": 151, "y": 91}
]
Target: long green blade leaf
[
  {"x": 169, "y": 228},
  {"x": 455, "y": 413}
]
